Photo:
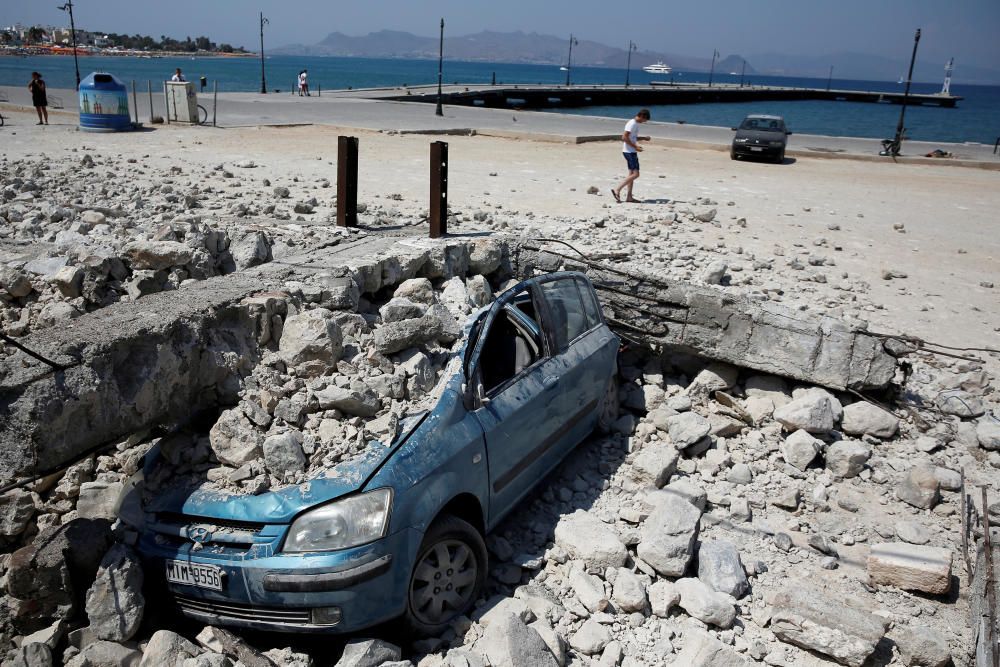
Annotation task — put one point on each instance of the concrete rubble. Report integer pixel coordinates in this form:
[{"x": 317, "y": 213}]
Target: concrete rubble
[{"x": 732, "y": 517}]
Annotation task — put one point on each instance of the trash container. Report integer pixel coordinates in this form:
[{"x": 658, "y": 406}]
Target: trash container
[
  {"x": 104, "y": 104},
  {"x": 182, "y": 102}
]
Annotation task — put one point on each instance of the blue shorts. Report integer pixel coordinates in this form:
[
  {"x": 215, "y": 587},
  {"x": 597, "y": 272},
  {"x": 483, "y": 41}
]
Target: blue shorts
[{"x": 633, "y": 161}]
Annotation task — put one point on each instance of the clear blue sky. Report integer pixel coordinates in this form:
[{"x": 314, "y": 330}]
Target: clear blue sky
[{"x": 969, "y": 30}]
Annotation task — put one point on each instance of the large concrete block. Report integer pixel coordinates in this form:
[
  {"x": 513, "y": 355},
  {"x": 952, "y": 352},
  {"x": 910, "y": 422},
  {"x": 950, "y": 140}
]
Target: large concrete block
[{"x": 911, "y": 567}]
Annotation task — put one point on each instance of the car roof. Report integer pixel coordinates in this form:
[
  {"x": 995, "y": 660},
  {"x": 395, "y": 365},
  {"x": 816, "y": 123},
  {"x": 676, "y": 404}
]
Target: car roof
[{"x": 764, "y": 116}]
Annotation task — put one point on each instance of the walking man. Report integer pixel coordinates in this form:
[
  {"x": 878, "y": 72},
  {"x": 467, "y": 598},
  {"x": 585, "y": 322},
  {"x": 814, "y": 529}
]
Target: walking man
[
  {"x": 178, "y": 75},
  {"x": 39, "y": 99},
  {"x": 631, "y": 150}
]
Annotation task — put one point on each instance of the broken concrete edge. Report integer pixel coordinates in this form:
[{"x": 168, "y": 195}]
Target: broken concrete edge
[{"x": 147, "y": 362}]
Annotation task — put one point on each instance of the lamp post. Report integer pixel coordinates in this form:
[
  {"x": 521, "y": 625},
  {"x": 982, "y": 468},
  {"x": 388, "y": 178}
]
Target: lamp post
[
  {"x": 715, "y": 54},
  {"x": 628, "y": 65},
  {"x": 829, "y": 78},
  {"x": 743, "y": 71},
  {"x": 263, "y": 80},
  {"x": 68, "y": 7},
  {"x": 906, "y": 93},
  {"x": 569, "y": 60},
  {"x": 438, "y": 111}
]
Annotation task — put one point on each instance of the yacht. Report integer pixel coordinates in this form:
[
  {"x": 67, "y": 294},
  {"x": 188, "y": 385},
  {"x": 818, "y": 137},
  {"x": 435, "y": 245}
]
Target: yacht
[{"x": 658, "y": 68}]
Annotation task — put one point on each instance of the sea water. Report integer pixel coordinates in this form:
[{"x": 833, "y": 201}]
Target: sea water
[{"x": 975, "y": 119}]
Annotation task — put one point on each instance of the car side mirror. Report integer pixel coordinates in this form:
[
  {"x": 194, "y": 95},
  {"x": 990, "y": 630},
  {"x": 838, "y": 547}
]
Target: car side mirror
[
  {"x": 733, "y": 129},
  {"x": 788, "y": 132}
]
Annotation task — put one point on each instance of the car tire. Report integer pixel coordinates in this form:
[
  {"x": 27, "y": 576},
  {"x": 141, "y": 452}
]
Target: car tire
[
  {"x": 781, "y": 158},
  {"x": 732, "y": 154},
  {"x": 607, "y": 409},
  {"x": 448, "y": 576}
]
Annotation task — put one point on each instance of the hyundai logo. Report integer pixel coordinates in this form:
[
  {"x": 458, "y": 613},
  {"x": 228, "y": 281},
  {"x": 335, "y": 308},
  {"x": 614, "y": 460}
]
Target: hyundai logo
[{"x": 199, "y": 534}]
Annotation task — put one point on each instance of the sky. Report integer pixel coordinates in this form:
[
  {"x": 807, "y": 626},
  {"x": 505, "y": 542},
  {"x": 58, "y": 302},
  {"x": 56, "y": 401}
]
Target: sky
[{"x": 964, "y": 29}]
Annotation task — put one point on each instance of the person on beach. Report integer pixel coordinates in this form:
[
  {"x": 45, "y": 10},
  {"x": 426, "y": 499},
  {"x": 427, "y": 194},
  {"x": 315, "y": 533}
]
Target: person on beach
[
  {"x": 38, "y": 98},
  {"x": 178, "y": 75},
  {"x": 631, "y": 150},
  {"x": 304, "y": 83}
]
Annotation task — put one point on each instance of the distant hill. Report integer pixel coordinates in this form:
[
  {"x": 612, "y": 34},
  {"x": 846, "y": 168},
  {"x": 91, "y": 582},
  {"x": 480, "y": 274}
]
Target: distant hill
[{"x": 535, "y": 48}]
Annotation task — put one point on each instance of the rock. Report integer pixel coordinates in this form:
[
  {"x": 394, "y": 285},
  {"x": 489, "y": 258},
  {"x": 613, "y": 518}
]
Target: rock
[
  {"x": 654, "y": 464},
  {"x": 586, "y": 538},
  {"x": 479, "y": 291},
  {"x": 93, "y": 218},
  {"x": 499, "y": 606},
  {"x": 706, "y": 216},
  {"x": 960, "y": 403},
  {"x": 920, "y": 487},
  {"x": 817, "y": 622},
  {"x": 98, "y": 499},
  {"x": 667, "y": 537},
  {"x": 740, "y": 474},
  {"x": 912, "y": 532},
  {"x": 988, "y": 433},
  {"x": 401, "y": 308},
  {"x": 591, "y": 638},
  {"x": 105, "y": 654},
  {"x": 31, "y": 655},
  {"x": 224, "y": 641},
  {"x": 720, "y": 568},
  {"x": 921, "y": 646},
  {"x": 799, "y": 449},
  {"x": 508, "y": 641},
  {"x": 283, "y": 453},
  {"x": 252, "y": 248},
  {"x": 350, "y": 401},
  {"x": 166, "y": 648},
  {"x": 115, "y": 602},
  {"x": 552, "y": 639},
  {"x": 663, "y": 596},
  {"x": 682, "y": 488},
  {"x": 158, "y": 255},
  {"x": 714, "y": 273},
  {"x": 813, "y": 412},
  {"x": 862, "y": 418},
  {"x": 910, "y": 567},
  {"x": 416, "y": 289},
  {"x": 847, "y": 458},
  {"x": 629, "y": 592},
  {"x": 708, "y": 606},
  {"x": 687, "y": 428},
  {"x": 950, "y": 480},
  {"x": 68, "y": 280},
  {"x": 17, "y": 508},
  {"x": 714, "y": 377},
  {"x": 311, "y": 339},
  {"x": 703, "y": 650},
  {"x": 234, "y": 439},
  {"x": 395, "y": 337},
  {"x": 46, "y": 266},
  {"x": 589, "y": 589},
  {"x": 15, "y": 283}
]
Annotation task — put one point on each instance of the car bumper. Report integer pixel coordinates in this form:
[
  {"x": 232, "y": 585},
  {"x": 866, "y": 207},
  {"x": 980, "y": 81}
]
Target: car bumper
[
  {"x": 341, "y": 591},
  {"x": 752, "y": 150}
]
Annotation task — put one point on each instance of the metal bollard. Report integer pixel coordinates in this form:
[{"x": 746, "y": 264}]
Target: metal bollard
[
  {"x": 149, "y": 89},
  {"x": 215, "y": 101},
  {"x": 439, "y": 189},
  {"x": 347, "y": 181},
  {"x": 135, "y": 103}
]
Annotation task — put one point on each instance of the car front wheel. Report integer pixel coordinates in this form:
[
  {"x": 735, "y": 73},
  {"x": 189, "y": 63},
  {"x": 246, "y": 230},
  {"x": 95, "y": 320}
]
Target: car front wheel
[
  {"x": 448, "y": 576},
  {"x": 732, "y": 154}
]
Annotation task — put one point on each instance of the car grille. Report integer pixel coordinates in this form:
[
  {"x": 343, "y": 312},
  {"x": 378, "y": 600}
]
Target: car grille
[
  {"x": 239, "y": 612},
  {"x": 177, "y": 529}
]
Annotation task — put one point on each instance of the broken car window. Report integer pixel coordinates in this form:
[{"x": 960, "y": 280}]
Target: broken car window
[{"x": 569, "y": 319}]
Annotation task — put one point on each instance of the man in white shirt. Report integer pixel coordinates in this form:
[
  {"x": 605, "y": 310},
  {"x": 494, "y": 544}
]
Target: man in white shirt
[
  {"x": 631, "y": 150},
  {"x": 177, "y": 75}
]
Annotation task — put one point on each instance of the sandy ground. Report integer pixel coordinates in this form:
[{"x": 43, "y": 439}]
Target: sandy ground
[{"x": 948, "y": 246}]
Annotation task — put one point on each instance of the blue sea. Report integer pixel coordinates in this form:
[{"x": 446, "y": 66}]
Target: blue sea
[{"x": 975, "y": 119}]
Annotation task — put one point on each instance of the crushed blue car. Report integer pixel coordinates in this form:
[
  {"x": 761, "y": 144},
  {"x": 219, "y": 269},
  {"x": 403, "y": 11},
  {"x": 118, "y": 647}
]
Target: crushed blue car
[{"x": 399, "y": 532}]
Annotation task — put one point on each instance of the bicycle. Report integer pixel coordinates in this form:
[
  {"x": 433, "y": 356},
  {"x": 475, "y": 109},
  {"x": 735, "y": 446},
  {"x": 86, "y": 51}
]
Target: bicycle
[
  {"x": 1, "y": 120},
  {"x": 890, "y": 148}
]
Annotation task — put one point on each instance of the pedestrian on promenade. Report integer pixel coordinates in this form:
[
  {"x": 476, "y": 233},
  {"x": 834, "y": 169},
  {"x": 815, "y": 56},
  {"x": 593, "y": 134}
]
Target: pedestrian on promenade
[
  {"x": 39, "y": 99},
  {"x": 178, "y": 75},
  {"x": 304, "y": 83},
  {"x": 631, "y": 150}
]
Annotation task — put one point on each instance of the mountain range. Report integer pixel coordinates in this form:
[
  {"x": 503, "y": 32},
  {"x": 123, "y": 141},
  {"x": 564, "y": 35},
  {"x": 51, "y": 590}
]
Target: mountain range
[{"x": 535, "y": 48}]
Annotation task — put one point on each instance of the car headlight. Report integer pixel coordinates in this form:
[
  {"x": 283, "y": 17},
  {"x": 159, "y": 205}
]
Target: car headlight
[
  {"x": 342, "y": 524},
  {"x": 777, "y": 143},
  {"x": 740, "y": 140}
]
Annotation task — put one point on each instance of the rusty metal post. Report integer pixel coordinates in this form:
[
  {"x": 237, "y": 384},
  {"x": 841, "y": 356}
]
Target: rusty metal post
[
  {"x": 347, "y": 181},
  {"x": 965, "y": 529},
  {"x": 990, "y": 583},
  {"x": 439, "y": 189}
]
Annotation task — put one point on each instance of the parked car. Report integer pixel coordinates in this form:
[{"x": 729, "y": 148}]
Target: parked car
[
  {"x": 401, "y": 531},
  {"x": 760, "y": 136}
]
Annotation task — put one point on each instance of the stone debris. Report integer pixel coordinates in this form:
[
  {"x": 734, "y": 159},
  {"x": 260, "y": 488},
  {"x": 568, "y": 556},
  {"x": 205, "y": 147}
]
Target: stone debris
[
  {"x": 910, "y": 567},
  {"x": 585, "y": 537}
]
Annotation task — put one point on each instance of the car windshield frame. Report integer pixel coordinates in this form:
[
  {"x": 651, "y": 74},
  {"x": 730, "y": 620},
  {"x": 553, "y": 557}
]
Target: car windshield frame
[{"x": 757, "y": 124}]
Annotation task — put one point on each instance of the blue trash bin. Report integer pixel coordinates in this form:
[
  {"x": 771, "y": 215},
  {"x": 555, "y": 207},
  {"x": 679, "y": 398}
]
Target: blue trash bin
[{"x": 104, "y": 104}]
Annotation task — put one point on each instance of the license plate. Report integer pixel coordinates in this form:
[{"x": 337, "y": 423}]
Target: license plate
[
  {"x": 194, "y": 574},
  {"x": 756, "y": 148}
]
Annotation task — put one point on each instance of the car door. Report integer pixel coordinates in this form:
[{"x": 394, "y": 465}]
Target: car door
[
  {"x": 516, "y": 392},
  {"x": 584, "y": 353}
]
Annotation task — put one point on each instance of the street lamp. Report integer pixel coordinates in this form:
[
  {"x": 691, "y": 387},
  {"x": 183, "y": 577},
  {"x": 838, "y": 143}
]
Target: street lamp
[
  {"x": 897, "y": 140},
  {"x": 628, "y": 66},
  {"x": 569, "y": 60},
  {"x": 743, "y": 71},
  {"x": 263, "y": 81},
  {"x": 829, "y": 78},
  {"x": 715, "y": 54},
  {"x": 438, "y": 111},
  {"x": 68, "y": 7}
]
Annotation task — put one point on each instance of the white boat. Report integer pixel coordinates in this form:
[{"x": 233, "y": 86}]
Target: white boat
[{"x": 658, "y": 68}]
